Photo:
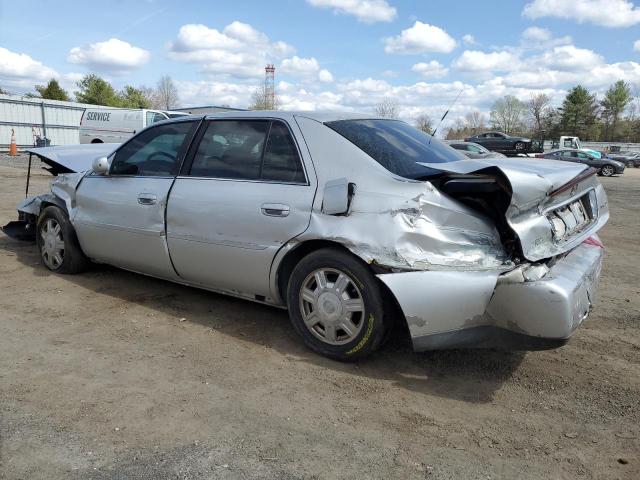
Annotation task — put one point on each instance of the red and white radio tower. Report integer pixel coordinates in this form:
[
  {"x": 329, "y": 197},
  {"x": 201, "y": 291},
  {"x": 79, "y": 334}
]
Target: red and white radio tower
[{"x": 270, "y": 86}]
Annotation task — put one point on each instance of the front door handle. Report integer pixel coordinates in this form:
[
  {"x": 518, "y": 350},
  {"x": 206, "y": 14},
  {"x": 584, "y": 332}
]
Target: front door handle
[
  {"x": 275, "y": 209},
  {"x": 147, "y": 199}
]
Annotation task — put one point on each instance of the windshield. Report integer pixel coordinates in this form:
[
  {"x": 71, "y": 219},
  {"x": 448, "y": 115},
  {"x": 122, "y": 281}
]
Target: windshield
[{"x": 396, "y": 145}]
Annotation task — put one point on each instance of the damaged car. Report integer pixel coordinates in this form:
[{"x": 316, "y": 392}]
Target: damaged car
[{"x": 349, "y": 222}]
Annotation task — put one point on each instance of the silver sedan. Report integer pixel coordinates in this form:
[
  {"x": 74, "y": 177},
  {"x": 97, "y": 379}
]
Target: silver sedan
[{"x": 352, "y": 223}]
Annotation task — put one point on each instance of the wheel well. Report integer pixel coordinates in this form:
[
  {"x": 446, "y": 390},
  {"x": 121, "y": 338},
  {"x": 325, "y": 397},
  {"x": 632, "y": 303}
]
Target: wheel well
[
  {"x": 291, "y": 259},
  {"x": 96, "y": 140}
]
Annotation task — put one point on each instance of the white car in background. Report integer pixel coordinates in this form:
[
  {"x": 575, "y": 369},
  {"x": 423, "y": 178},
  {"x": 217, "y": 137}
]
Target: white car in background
[{"x": 115, "y": 125}]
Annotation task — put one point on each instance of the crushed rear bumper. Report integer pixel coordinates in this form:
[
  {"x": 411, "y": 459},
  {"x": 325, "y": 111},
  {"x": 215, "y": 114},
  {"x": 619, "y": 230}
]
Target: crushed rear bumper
[{"x": 492, "y": 310}]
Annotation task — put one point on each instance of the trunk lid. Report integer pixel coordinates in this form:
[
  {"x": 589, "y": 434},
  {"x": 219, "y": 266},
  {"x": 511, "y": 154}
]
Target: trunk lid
[{"x": 547, "y": 218}]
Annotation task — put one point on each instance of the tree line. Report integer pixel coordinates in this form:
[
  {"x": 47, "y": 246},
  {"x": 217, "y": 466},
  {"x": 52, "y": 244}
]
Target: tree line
[
  {"x": 95, "y": 90},
  {"x": 614, "y": 118}
]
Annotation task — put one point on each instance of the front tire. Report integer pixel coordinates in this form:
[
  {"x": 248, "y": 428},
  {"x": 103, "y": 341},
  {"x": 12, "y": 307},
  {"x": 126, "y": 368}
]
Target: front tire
[
  {"x": 335, "y": 304},
  {"x": 59, "y": 249},
  {"x": 607, "y": 171}
]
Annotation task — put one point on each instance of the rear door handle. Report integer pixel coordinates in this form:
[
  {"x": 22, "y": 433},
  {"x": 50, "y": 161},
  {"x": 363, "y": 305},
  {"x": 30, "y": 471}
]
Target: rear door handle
[
  {"x": 275, "y": 209},
  {"x": 147, "y": 199}
]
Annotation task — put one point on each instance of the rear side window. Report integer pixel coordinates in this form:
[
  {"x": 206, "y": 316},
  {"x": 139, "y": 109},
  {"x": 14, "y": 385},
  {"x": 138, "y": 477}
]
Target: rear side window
[
  {"x": 248, "y": 150},
  {"x": 281, "y": 161},
  {"x": 397, "y": 146}
]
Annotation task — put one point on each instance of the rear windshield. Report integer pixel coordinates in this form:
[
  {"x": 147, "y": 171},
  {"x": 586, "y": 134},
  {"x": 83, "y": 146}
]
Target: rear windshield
[{"x": 396, "y": 145}]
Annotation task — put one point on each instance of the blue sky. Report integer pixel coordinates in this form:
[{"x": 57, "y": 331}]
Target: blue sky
[{"x": 329, "y": 54}]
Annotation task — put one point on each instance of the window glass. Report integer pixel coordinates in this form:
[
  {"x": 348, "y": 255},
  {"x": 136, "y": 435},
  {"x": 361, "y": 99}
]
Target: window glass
[
  {"x": 281, "y": 161},
  {"x": 475, "y": 149},
  {"x": 231, "y": 149},
  {"x": 582, "y": 156},
  {"x": 154, "y": 152},
  {"x": 153, "y": 117},
  {"x": 458, "y": 146},
  {"x": 397, "y": 146}
]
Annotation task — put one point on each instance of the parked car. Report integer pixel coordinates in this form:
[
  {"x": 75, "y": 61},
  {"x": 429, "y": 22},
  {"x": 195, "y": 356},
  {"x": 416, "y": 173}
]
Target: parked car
[
  {"x": 605, "y": 166},
  {"x": 115, "y": 125},
  {"x": 501, "y": 142},
  {"x": 630, "y": 159},
  {"x": 350, "y": 223},
  {"x": 473, "y": 150}
]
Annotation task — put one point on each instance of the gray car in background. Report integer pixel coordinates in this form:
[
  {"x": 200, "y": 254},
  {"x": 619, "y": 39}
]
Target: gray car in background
[
  {"x": 351, "y": 223},
  {"x": 474, "y": 150}
]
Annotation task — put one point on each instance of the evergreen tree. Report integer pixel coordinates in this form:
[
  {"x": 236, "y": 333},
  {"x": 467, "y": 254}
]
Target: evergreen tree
[
  {"x": 579, "y": 114},
  {"x": 97, "y": 91},
  {"x": 615, "y": 101},
  {"x": 52, "y": 91},
  {"x": 131, "y": 97}
]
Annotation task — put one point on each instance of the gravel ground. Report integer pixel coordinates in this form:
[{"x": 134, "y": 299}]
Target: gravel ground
[{"x": 112, "y": 375}]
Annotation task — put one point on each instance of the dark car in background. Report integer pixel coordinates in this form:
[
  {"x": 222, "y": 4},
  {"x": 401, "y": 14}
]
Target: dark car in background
[
  {"x": 473, "y": 150},
  {"x": 606, "y": 166},
  {"x": 630, "y": 159},
  {"x": 501, "y": 142}
]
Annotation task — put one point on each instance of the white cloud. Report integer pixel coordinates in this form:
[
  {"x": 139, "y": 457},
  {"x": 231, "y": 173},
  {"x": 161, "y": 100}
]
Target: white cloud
[
  {"x": 22, "y": 71},
  {"x": 469, "y": 40},
  {"x": 420, "y": 38},
  {"x": 607, "y": 13},
  {"x": 432, "y": 69},
  {"x": 367, "y": 11},
  {"x": 569, "y": 58},
  {"x": 306, "y": 68},
  {"x": 542, "y": 38},
  {"x": 477, "y": 61},
  {"x": 325, "y": 76},
  {"x": 239, "y": 50},
  {"x": 113, "y": 56},
  {"x": 636, "y": 45}
]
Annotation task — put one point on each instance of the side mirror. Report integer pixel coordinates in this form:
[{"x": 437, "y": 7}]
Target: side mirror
[
  {"x": 100, "y": 165},
  {"x": 337, "y": 197}
]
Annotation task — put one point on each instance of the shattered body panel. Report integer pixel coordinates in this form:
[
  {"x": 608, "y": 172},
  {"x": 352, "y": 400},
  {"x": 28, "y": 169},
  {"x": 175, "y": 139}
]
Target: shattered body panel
[{"x": 461, "y": 277}]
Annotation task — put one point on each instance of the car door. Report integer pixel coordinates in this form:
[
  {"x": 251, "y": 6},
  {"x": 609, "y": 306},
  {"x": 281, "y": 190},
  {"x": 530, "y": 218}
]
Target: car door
[
  {"x": 247, "y": 191},
  {"x": 120, "y": 216}
]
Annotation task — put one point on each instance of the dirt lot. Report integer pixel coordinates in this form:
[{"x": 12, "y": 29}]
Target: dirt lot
[{"x": 112, "y": 375}]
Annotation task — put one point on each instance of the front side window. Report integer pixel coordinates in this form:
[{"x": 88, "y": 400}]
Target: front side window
[
  {"x": 396, "y": 145},
  {"x": 156, "y": 151},
  {"x": 248, "y": 150}
]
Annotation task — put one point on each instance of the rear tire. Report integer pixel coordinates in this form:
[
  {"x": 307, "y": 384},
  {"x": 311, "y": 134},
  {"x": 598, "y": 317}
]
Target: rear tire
[
  {"x": 336, "y": 305},
  {"x": 58, "y": 244},
  {"x": 607, "y": 171}
]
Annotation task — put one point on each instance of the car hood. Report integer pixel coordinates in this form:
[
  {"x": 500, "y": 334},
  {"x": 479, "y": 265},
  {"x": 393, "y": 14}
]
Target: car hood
[{"x": 72, "y": 158}]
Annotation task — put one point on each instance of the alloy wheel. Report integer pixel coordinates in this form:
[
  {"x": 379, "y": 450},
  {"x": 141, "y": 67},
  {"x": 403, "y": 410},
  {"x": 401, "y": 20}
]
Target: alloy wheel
[
  {"x": 52, "y": 246},
  {"x": 332, "y": 306}
]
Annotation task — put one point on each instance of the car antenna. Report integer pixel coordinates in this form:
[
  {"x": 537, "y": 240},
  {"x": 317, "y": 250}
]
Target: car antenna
[{"x": 445, "y": 114}]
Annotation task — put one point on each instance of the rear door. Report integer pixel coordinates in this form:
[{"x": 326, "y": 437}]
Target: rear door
[
  {"x": 120, "y": 216},
  {"x": 248, "y": 191}
]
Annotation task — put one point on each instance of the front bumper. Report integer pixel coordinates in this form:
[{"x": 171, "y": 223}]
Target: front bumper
[{"x": 488, "y": 310}]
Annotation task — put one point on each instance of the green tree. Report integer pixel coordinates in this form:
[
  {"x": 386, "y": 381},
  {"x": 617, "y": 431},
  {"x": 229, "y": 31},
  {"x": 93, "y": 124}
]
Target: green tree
[
  {"x": 613, "y": 104},
  {"x": 97, "y": 91},
  {"x": 131, "y": 97},
  {"x": 579, "y": 114},
  {"x": 52, "y": 91}
]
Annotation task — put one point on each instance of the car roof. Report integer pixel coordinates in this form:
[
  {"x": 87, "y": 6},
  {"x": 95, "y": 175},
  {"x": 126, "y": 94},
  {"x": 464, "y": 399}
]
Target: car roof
[{"x": 320, "y": 116}]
